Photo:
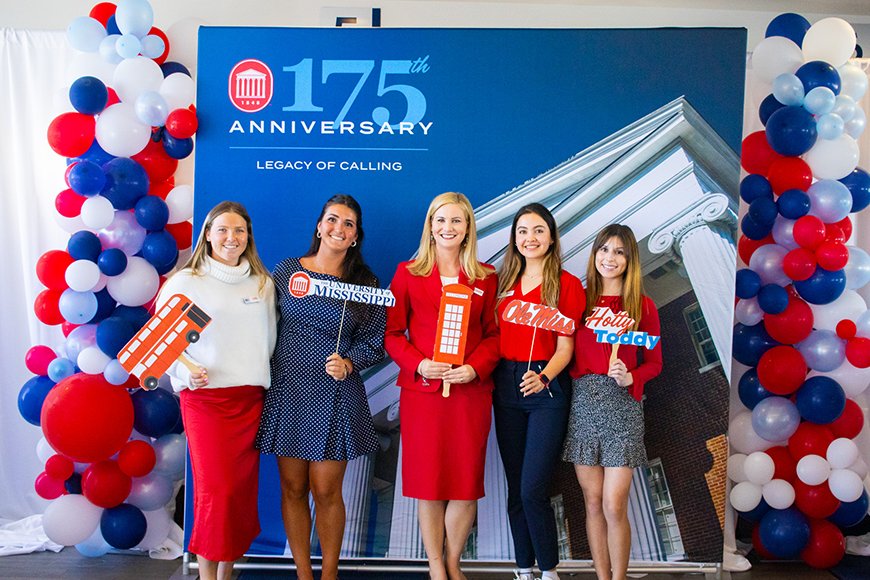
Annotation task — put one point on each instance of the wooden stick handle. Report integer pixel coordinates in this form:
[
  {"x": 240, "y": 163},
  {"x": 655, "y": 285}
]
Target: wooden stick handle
[
  {"x": 613, "y": 353},
  {"x": 445, "y": 390},
  {"x": 194, "y": 370}
]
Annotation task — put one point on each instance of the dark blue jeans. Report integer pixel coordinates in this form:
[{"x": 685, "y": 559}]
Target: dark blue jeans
[{"x": 530, "y": 431}]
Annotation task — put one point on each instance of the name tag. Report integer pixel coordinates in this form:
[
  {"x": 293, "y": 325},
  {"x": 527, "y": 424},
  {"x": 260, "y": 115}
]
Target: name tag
[
  {"x": 478, "y": 291},
  {"x": 506, "y": 294},
  {"x": 252, "y": 300}
]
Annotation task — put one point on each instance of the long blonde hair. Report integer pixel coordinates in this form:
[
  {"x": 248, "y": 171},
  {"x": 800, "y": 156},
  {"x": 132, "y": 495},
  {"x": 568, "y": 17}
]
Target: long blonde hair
[
  {"x": 632, "y": 282},
  {"x": 514, "y": 264},
  {"x": 425, "y": 261},
  {"x": 203, "y": 246}
]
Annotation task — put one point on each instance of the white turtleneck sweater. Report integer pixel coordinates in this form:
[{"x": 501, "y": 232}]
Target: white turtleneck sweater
[{"x": 236, "y": 347}]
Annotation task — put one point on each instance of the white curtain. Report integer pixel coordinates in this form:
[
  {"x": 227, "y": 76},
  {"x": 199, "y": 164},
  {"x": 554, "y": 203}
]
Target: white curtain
[{"x": 32, "y": 71}]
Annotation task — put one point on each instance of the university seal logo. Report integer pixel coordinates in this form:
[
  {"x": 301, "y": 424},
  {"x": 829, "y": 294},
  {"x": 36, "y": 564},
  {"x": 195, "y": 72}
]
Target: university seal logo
[{"x": 250, "y": 86}]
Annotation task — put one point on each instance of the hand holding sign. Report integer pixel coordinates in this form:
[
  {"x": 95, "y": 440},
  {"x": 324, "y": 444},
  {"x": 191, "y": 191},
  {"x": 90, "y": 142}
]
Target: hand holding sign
[
  {"x": 612, "y": 328},
  {"x": 452, "y": 327}
]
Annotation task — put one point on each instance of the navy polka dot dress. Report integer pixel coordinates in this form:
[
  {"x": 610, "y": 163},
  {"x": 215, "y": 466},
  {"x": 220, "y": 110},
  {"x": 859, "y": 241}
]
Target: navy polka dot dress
[{"x": 307, "y": 414}]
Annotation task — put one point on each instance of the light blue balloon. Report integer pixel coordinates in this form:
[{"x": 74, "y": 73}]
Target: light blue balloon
[
  {"x": 857, "y": 269},
  {"x": 85, "y": 34},
  {"x": 151, "y": 492},
  {"x": 77, "y": 307},
  {"x": 830, "y": 200},
  {"x": 788, "y": 90},
  {"x": 114, "y": 373},
  {"x": 95, "y": 546},
  {"x": 128, "y": 46},
  {"x": 171, "y": 450},
  {"x": 79, "y": 339},
  {"x": 108, "y": 49},
  {"x": 823, "y": 350},
  {"x": 863, "y": 324},
  {"x": 134, "y": 17},
  {"x": 856, "y": 124},
  {"x": 153, "y": 46},
  {"x": 830, "y": 126},
  {"x": 151, "y": 108},
  {"x": 60, "y": 368},
  {"x": 820, "y": 101},
  {"x": 845, "y": 108},
  {"x": 775, "y": 419},
  {"x": 783, "y": 233}
]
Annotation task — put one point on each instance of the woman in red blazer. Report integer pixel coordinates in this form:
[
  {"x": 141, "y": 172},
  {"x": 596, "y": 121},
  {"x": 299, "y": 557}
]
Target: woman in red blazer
[{"x": 444, "y": 438}]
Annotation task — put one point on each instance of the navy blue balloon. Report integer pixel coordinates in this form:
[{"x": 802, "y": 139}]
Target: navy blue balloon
[
  {"x": 851, "y": 513},
  {"x": 768, "y": 107},
  {"x": 112, "y": 262},
  {"x": 31, "y": 397},
  {"x": 112, "y": 334},
  {"x": 151, "y": 213},
  {"x": 750, "y": 390},
  {"x": 754, "y": 186},
  {"x": 94, "y": 154},
  {"x": 785, "y": 533},
  {"x": 750, "y": 343},
  {"x": 84, "y": 245},
  {"x": 793, "y": 204},
  {"x": 177, "y": 148},
  {"x": 763, "y": 211},
  {"x": 858, "y": 183},
  {"x": 167, "y": 267},
  {"x": 820, "y": 400},
  {"x": 754, "y": 515},
  {"x": 112, "y": 26},
  {"x": 748, "y": 283},
  {"x": 791, "y": 131},
  {"x": 178, "y": 429},
  {"x": 754, "y": 230},
  {"x": 88, "y": 95},
  {"x": 87, "y": 178},
  {"x": 790, "y": 25},
  {"x": 823, "y": 287},
  {"x": 773, "y": 299},
  {"x": 818, "y": 73},
  {"x": 73, "y": 484},
  {"x": 126, "y": 183},
  {"x": 159, "y": 248},
  {"x": 154, "y": 412},
  {"x": 105, "y": 306},
  {"x": 123, "y": 526},
  {"x": 170, "y": 67},
  {"x": 138, "y": 316}
]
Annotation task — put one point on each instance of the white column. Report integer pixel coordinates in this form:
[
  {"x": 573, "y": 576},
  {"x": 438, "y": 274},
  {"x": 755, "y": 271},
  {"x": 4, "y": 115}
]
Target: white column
[
  {"x": 356, "y": 492},
  {"x": 405, "y": 538},
  {"x": 494, "y": 541},
  {"x": 710, "y": 256}
]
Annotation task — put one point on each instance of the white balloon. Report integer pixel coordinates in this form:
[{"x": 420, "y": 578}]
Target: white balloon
[
  {"x": 831, "y": 40},
  {"x": 833, "y": 158},
  {"x": 853, "y": 81},
  {"x": 82, "y": 275},
  {"x": 71, "y": 519},
  {"x": 97, "y": 212},
  {"x": 134, "y": 76},
  {"x": 842, "y": 453},
  {"x": 759, "y": 467},
  {"x": 92, "y": 360},
  {"x": 178, "y": 89},
  {"x": 813, "y": 469},
  {"x": 845, "y": 485},
  {"x": 136, "y": 285},
  {"x": 778, "y": 493},
  {"x": 157, "y": 530},
  {"x": 743, "y": 437},
  {"x": 849, "y": 305},
  {"x": 90, "y": 64},
  {"x": 70, "y": 225},
  {"x": 44, "y": 450},
  {"x": 120, "y": 132},
  {"x": 745, "y": 496},
  {"x": 182, "y": 37},
  {"x": 735, "y": 467},
  {"x": 859, "y": 467},
  {"x": 180, "y": 202},
  {"x": 774, "y": 56}
]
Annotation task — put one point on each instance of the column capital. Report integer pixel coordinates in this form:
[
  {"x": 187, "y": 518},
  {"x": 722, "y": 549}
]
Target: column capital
[{"x": 711, "y": 208}]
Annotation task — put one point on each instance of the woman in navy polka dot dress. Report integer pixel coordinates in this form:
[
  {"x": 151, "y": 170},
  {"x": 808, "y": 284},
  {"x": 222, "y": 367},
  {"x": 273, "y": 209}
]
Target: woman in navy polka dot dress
[{"x": 316, "y": 416}]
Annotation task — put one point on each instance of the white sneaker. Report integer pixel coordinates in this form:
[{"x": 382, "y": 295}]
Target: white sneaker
[{"x": 524, "y": 575}]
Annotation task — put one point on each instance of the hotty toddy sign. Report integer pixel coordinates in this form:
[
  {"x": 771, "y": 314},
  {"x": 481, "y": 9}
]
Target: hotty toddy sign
[{"x": 613, "y": 329}]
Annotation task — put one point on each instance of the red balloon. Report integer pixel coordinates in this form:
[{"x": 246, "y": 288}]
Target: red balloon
[
  {"x": 113, "y": 97},
  {"x": 162, "y": 189},
  {"x": 826, "y": 546},
  {"x": 182, "y": 233},
  {"x": 46, "y": 307},
  {"x": 785, "y": 467},
  {"x": 102, "y": 12},
  {"x": 157, "y": 32},
  {"x": 181, "y": 123},
  {"x": 789, "y": 173},
  {"x": 858, "y": 352},
  {"x": 799, "y": 264},
  {"x": 782, "y": 370},
  {"x": 66, "y": 173},
  {"x": 137, "y": 458},
  {"x": 87, "y": 419},
  {"x": 849, "y": 423},
  {"x": 37, "y": 358},
  {"x": 809, "y": 232},
  {"x": 793, "y": 324},
  {"x": 747, "y": 247},
  {"x": 846, "y": 329},
  {"x": 810, "y": 439},
  {"x": 756, "y": 153},
  {"x": 68, "y": 203},
  {"x": 51, "y": 269},
  {"x": 71, "y": 134},
  {"x": 845, "y": 226},
  {"x": 759, "y": 547},
  {"x": 833, "y": 233},
  {"x": 816, "y": 501},
  {"x": 158, "y": 165},
  {"x": 48, "y": 487},
  {"x": 105, "y": 485},
  {"x": 832, "y": 256},
  {"x": 59, "y": 467}
]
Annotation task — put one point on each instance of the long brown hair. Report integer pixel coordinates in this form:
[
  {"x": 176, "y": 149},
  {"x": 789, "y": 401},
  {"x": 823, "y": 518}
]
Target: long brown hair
[
  {"x": 425, "y": 261},
  {"x": 632, "y": 282},
  {"x": 353, "y": 268},
  {"x": 514, "y": 264}
]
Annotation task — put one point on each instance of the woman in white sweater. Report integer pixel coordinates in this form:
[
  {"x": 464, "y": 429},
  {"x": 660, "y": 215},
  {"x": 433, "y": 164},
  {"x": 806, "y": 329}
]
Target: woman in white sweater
[{"x": 221, "y": 405}]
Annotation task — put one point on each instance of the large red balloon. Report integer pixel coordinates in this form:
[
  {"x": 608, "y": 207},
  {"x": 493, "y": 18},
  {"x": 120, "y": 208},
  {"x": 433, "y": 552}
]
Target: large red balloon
[
  {"x": 47, "y": 307},
  {"x": 809, "y": 231},
  {"x": 747, "y": 247},
  {"x": 816, "y": 501},
  {"x": 87, "y": 419},
  {"x": 756, "y": 153},
  {"x": 789, "y": 173},
  {"x": 71, "y": 134},
  {"x": 784, "y": 465},
  {"x": 849, "y": 423},
  {"x": 105, "y": 485},
  {"x": 51, "y": 269},
  {"x": 810, "y": 439},
  {"x": 832, "y": 256},
  {"x": 799, "y": 264},
  {"x": 137, "y": 458},
  {"x": 826, "y": 546},
  {"x": 858, "y": 352},
  {"x": 158, "y": 165},
  {"x": 782, "y": 370},
  {"x": 793, "y": 324}
]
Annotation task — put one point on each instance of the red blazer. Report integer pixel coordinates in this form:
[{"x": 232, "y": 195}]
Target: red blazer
[{"x": 418, "y": 300}]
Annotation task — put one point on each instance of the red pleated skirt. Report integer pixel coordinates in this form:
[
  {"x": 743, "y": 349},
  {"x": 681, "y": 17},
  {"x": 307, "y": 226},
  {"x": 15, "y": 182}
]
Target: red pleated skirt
[{"x": 221, "y": 425}]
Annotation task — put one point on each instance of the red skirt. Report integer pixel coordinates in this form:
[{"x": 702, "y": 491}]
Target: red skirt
[
  {"x": 221, "y": 425},
  {"x": 444, "y": 443}
]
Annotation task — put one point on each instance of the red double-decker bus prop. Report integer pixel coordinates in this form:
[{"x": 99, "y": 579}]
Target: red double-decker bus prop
[{"x": 452, "y": 327}]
